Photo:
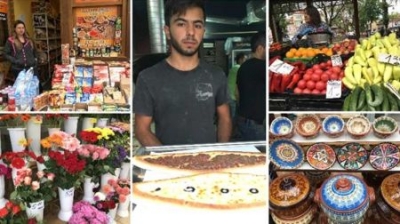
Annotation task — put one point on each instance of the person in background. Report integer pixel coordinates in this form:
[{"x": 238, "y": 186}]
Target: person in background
[
  {"x": 251, "y": 84},
  {"x": 233, "y": 94},
  {"x": 313, "y": 24},
  {"x": 182, "y": 94},
  {"x": 20, "y": 50}
]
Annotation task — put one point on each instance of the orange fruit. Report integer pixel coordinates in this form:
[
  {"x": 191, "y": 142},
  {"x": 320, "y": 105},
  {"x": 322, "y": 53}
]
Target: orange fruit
[{"x": 290, "y": 54}]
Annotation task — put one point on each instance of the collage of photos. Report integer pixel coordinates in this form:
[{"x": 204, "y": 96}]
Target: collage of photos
[
  {"x": 333, "y": 112},
  {"x": 199, "y": 107}
]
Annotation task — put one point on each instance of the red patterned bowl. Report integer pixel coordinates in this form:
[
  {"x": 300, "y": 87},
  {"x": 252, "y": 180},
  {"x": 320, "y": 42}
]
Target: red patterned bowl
[
  {"x": 358, "y": 126},
  {"x": 308, "y": 125}
]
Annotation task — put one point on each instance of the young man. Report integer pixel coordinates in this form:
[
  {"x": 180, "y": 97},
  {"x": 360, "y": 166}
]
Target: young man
[
  {"x": 182, "y": 94},
  {"x": 251, "y": 83}
]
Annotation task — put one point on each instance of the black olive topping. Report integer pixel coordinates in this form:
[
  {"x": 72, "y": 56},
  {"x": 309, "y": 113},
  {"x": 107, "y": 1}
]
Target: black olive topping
[
  {"x": 189, "y": 189},
  {"x": 157, "y": 189},
  {"x": 224, "y": 190},
  {"x": 254, "y": 190}
]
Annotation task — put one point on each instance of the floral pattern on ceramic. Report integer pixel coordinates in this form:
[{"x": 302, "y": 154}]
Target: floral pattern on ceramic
[
  {"x": 316, "y": 177},
  {"x": 308, "y": 126},
  {"x": 344, "y": 198},
  {"x": 358, "y": 126},
  {"x": 286, "y": 154},
  {"x": 281, "y": 127},
  {"x": 387, "y": 201},
  {"x": 352, "y": 156},
  {"x": 384, "y": 127},
  {"x": 305, "y": 218},
  {"x": 333, "y": 126},
  {"x": 290, "y": 196},
  {"x": 321, "y": 156},
  {"x": 384, "y": 156}
]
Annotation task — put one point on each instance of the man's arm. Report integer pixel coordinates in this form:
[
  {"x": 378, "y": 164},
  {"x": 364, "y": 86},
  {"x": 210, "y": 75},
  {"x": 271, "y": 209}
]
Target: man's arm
[
  {"x": 143, "y": 131},
  {"x": 224, "y": 127}
]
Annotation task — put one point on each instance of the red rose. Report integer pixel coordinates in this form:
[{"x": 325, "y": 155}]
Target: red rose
[
  {"x": 18, "y": 163},
  {"x": 15, "y": 209},
  {"x": 3, "y": 212},
  {"x": 32, "y": 221},
  {"x": 40, "y": 159}
]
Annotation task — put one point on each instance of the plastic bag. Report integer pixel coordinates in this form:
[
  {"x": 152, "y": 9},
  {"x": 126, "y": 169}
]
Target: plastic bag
[{"x": 26, "y": 88}]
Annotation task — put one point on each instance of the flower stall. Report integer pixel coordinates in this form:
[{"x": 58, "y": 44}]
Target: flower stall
[{"x": 62, "y": 169}]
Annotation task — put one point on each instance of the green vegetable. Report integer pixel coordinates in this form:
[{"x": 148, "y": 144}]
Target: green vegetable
[
  {"x": 385, "y": 103},
  {"x": 392, "y": 101},
  {"x": 354, "y": 98},
  {"x": 361, "y": 101},
  {"x": 374, "y": 95},
  {"x": 346, "y": 104}
]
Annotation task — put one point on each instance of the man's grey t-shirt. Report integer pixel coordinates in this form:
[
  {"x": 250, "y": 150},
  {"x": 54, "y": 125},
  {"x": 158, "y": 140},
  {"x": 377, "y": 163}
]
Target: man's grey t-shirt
[{"x": 182, "y": 103}]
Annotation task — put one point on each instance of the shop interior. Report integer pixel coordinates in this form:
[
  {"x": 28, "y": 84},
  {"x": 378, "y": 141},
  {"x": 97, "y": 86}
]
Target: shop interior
[{"x": 82, "y": 53}]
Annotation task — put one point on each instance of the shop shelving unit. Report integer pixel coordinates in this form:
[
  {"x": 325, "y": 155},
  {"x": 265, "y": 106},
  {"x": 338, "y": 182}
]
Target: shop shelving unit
[{"x": 48, "y": 41}]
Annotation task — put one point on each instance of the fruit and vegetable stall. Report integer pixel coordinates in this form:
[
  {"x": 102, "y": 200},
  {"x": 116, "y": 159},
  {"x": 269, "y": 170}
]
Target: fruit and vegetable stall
[{"x": 347, "y": 75}]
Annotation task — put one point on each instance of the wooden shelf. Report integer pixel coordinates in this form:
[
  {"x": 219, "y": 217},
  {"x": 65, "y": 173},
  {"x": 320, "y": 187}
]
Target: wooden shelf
[{"x": 337, "y": 168}]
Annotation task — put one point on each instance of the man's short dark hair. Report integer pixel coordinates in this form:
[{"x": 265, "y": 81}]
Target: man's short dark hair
[
  {"x": 179, "y": 7},
  {"x": 239, "y": 57},
  {"x": 258, "y": 39}
]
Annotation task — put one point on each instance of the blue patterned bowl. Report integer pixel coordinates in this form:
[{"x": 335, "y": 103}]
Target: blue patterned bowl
[
  {"x": 344, "y": 198},
  {"x": 281, "y": 127},
  {"x": 333, "y": 126}
]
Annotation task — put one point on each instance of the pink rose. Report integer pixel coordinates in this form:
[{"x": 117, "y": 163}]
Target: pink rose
[
  {"x": 18, "y": 180},
  {"x": 51, "y": 176},
  {"x": 95, "y": 156},
  {"x": 103, "y": 153},
  {"x": 35, "y": 185},
  {"x": 40, "y": 174},
  {"x": 27, "y": 180},
  {"x": 122, "y": 198}
]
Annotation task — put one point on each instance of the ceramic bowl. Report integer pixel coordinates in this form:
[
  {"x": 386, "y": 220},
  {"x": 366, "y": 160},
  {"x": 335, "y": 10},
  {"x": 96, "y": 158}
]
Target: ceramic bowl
[
  {"x": 333, "y": 126},
  {"x": 352, "y": 156},
  {"x": 384, "y": 127},
  {"x": 308, "y": 125},
  {"x": 344, "y": 198},
  {"x": 290, "y": 196},
  {"x": 387, "y": 202},
  {"x": 316, "y": 177},
  {"x": 281, "y": 127},
  {"x": 358, "y": 126},
  {"x": 286, "y": 154},
  {"x": 321, "y": 156},
  {"x": 305, "y": 218}
]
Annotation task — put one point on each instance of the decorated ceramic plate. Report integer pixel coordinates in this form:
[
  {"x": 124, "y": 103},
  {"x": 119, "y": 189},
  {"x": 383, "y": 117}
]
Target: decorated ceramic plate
[
  {"x": 286, "y": 154},
  {"x": 321, "y": 156},
  {"x": 384, "y": 156},
  {"x": 352, "y": 156}
]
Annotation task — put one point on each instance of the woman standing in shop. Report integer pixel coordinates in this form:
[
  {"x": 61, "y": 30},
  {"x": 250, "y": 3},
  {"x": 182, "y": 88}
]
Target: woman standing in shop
[
  {"x": 313, "y": 24},
  {"x": 20, "y": 50}
]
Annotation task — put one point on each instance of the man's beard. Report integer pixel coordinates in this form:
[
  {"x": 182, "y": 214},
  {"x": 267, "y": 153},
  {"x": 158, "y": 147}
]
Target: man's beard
[{"x": 180, "y": 50}]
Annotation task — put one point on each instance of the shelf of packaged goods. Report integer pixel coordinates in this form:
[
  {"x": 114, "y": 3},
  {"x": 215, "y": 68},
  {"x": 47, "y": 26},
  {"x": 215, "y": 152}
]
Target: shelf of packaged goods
[
  {"x": 44, "y": 27},
  {"x": 50, "y": 38},
  {"x": 345, "y": 138}
]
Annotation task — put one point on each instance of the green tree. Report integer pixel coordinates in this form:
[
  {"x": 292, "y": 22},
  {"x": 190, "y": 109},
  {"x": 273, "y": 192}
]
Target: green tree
[{"x": 369, "y": 11}]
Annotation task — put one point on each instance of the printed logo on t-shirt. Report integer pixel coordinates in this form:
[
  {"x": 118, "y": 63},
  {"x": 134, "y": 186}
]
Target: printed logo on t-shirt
[{"x": 204, "y": 91}]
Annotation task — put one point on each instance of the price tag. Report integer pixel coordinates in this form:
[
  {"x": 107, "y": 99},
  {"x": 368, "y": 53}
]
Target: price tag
[
  {"x": 285, "y": 69},
  {"x": 385, "y": 58},
  {"x": 333, "y": 89},
  {"x": 281, "y": 67},
  {"x": 276, "y": 65},
  {"x": 336, "y": 60},
  {"x": 394, "y": 60}
]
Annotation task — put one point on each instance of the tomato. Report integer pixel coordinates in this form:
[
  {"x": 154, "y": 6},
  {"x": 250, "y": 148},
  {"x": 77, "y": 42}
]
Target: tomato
[
  {"x": 323, "y": 92},
  {"x": 329, "y": 63},
  {"x": 298, "y": 90},
  {"x": 301, "y": 84},
  {"x": 316, "y": 67},
  {"x": 310, "y": 85},
  {"x": 306, "y": 91},
  {"x": 315, "y": 91},
  {"x": 320, "y": 85},
  {"x": 323, "y": 65},
  {"x": 307, "y": 77},
  {"x": 318, "y": 71},
  {"x": 315, "y": 77},
  {"x": 336, "y": 69},
  {"x": 309, "y": 71},
  {"x": 325, "y": 77},
  {"x": 333, "y": 77}
]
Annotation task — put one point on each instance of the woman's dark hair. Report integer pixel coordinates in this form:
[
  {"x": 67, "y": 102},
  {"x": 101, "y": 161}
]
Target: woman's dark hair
[
  {"x": 17, "y": 22},
  {"x": 313, "y": 13},
  {"x": 179, "y": 7}
]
